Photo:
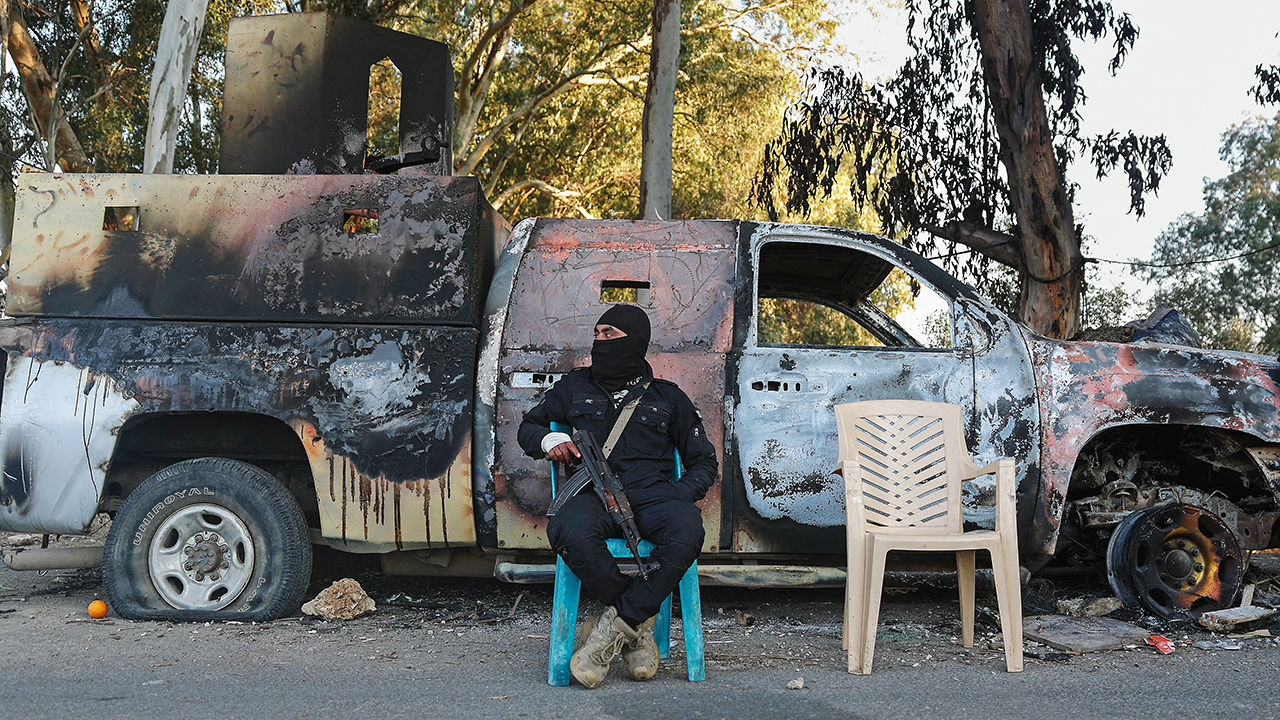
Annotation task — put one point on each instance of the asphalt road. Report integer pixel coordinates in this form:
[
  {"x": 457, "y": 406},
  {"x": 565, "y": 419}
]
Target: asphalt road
[{"x": 457, "y": 649}]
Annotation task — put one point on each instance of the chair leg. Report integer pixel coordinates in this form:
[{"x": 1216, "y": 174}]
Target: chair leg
[
  {"x": 1004, "y": 566},
  {"x": 662, "y": 629},
  {"x": 873, "y": 583},
  {"x": 691, "y": 617},
  {"x": 855, "y": 602},
  {"x": 855, "y": 591},
  {"x": 848, "y": 607},
  {"x": 965, "y": 562},
  {"x": 564, "y": 616}
]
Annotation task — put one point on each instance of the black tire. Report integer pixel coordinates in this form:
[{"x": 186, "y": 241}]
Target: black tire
[{"x": 208, "y": 539}]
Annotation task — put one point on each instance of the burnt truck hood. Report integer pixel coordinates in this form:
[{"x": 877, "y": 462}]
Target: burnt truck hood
[
  {"x": 1123, "y": 383},
  {"x": 1084, "y": 388}
]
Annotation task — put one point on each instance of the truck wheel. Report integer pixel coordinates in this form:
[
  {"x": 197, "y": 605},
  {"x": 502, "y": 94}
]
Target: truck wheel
[
  {"x": 209, "y": 538},
  {"x": 1175, "y": 560}
]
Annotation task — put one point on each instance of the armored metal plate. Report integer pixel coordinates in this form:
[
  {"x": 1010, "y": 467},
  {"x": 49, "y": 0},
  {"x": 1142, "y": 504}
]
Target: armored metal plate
[
  {"x": 333, "y": 248},
  {"x": 687, "y": 267}
]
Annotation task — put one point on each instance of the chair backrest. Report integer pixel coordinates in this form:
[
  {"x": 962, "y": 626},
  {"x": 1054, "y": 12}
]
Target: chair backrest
[
  {"x": 567, "y": 428},
  {"x": 905, "y": 457}
]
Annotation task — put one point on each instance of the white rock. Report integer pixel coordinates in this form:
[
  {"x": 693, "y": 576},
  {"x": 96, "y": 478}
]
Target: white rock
[{"x": 343, "y": 600}]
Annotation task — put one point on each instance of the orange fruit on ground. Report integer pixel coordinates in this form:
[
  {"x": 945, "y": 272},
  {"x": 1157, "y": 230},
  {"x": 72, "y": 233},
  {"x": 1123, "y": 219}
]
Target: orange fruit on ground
[{"x": 97, "y": 609}]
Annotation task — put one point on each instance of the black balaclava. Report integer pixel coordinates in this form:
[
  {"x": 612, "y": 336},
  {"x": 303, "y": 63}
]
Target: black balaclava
[{"x": 614, "y": 362}]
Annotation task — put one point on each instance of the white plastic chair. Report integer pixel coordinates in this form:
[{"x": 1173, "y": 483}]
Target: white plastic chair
[{"x": 903, "y": 462}]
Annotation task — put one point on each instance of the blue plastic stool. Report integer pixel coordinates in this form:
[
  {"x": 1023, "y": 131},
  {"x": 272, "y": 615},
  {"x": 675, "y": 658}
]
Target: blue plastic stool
[{"x": 564, "y": 610}]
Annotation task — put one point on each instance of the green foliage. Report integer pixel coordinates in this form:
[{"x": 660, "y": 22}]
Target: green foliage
[
  {"x": 1108, "y": 306},
  {"x": 797, "y": 322},
  {"x": 1235, "y": 303},
  {"x": 582, "y": 145},
  {"x": 107, "y": 83},
  {"x": 383, "y": 110},
  {"x": 924, "y": 149},
  {"x": 1100, "y": 305}
]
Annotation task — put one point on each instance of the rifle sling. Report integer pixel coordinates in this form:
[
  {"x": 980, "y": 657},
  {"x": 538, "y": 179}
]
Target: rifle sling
[{"x": 621, "y": 423}]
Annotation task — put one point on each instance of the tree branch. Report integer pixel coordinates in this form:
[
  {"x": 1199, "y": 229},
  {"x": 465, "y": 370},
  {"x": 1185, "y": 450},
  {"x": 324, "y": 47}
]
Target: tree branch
[
  {"x": 597, "y": 65},
  {"x": 565, "y": 196},
  {"x": 1001, "y": 247},
  {"x": 40, "y": 90},
  {"x": 477, "y": 74}
]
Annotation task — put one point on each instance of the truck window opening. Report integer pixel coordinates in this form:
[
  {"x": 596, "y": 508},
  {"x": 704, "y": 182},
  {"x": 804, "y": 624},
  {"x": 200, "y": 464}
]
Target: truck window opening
[
  {"x": 382, "y": 127},
  {"x": 360, "y": 221},
  {"x": 819, "y": 294},
  {"x": 625, "y": 291},
  {"x": 121, "y": 218}
]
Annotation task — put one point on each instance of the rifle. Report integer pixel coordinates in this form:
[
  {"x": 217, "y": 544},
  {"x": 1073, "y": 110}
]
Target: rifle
[{"x": 595, "y": 469}]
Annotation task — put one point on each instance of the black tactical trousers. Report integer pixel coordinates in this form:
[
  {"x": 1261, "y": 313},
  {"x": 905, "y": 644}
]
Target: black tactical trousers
[{"x": 578, "y": 533}]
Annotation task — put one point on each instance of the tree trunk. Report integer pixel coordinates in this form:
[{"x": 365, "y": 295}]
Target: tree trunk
[
  {"x": 8, "y": 197},
  {"x": 82, "y": 16},
  {"x": 1050, "y": 247},
  {"x": 7, "y": 200},
  {"x": 41, "y": 92},
  {"x": 176, "y": 51},
  {"x": 659, "y": 112}
]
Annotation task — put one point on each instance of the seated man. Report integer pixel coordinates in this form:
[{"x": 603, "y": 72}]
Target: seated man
[{"x": 663, "y": 420}]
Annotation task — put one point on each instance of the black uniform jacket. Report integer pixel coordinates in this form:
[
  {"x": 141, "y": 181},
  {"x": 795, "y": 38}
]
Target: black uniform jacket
[{"x": 665, "y": 419}]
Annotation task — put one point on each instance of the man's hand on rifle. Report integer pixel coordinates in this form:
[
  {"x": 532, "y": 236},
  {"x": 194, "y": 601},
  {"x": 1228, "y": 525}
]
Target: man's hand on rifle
[{"x": 565, "y": 452}]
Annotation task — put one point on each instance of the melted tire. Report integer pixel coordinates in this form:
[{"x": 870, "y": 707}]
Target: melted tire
[{"x": 275, "y": 544}]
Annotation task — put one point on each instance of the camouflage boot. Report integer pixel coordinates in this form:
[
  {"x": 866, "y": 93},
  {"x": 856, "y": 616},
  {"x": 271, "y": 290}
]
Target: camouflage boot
[
  {"x": 640, "y": 656},
  {"x": 590, "y": 663}
]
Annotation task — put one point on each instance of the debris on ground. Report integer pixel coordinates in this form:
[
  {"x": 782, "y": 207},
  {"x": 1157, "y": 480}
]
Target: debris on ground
[
  {"x": 343, "y": 600},
  {"x": 746, "y": 619},
  {"x": 1161, "y": 643},
  {"x": 1039, "y": 597},
  {"x": 1051, "y": 656},
  {"x": 400, "y": 599},
  {"x": 1218, "y": 645},
  {"x": 1089, "y": 607},
  {"x": 797, "y": 684},
  {"x": 1236, "y": 618},
  {"x": 1081, "y": 635}
]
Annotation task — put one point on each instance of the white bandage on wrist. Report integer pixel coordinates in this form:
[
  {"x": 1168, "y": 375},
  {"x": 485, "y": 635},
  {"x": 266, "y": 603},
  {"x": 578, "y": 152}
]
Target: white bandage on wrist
[{"x": 553, "y": 439}]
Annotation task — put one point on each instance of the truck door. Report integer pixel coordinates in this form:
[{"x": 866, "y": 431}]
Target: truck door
[
  {"x": 824, "y": 318},
  {"x": 571, "y": 271}
]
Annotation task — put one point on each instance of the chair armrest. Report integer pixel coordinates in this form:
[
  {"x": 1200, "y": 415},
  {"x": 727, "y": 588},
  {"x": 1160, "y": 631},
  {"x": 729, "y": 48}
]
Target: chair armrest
[
  {"x": 1006, "y": 492},
  {"x": 1006, "y": 499},
  {"x": 855, "y": 510},
  {"x": 973, "y": 471}
]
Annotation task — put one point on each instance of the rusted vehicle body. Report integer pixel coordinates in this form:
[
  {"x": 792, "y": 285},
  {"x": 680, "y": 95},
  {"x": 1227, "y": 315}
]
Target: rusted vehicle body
[
  {"x": 237, "y": 366},
  {"x": 1100, "y": 430},
  {"x": 243, "y": 317}
]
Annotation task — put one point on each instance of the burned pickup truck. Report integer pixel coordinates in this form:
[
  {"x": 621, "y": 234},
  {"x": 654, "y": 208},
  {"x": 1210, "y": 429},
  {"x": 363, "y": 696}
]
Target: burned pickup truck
[
  {"x": 245, "y": 364},
  {"x": 238, "y": 366}
]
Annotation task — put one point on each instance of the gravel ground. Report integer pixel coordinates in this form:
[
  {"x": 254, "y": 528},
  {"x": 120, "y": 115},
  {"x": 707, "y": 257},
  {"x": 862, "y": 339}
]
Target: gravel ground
[{"x": 481, "y": 645}]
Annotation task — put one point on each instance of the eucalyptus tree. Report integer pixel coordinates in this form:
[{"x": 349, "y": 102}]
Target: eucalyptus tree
[{"x": 971, "y": 140}]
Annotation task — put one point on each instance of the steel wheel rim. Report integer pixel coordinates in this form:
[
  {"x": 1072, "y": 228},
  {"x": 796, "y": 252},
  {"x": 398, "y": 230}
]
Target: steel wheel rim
[
  {"x": 201, "y": 558},
  {"x": 1182, "y": 559}
]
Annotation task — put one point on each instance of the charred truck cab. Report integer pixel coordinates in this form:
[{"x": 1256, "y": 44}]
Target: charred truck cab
[{"x": 298, "y": 351}]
